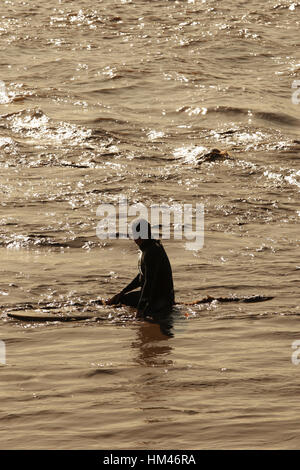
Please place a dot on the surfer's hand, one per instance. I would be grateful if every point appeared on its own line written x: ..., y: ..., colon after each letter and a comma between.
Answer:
x: 139, y: 314
x: 114, y: 300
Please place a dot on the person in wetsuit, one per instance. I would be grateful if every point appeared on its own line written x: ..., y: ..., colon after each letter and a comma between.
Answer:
x: 155, y: 294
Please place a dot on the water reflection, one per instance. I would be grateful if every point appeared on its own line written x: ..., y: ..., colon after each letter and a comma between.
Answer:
x: 153, y: 343
x: 165, y: 323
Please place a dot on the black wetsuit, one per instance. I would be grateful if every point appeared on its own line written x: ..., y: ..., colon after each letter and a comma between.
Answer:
x: 156, y: 296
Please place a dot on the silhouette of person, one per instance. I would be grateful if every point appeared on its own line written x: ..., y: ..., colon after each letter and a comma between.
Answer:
x: 155, y: 294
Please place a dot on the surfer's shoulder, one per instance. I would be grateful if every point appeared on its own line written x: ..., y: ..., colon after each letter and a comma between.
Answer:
x: 154, y: 249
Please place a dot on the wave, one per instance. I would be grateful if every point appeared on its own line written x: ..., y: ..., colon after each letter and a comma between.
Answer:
x: 17, y: 242
x: 267, y: 116
x: 199, y: 154
x: 35, y: 124
x: 277, y: 118
x: 196, y: 155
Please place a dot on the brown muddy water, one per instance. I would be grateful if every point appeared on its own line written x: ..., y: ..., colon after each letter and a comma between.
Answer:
x: 127, y: 97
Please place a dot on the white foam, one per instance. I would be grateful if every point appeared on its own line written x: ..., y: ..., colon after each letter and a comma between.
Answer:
x: 152, y: 135
x: 38, y: 126
x: 4, y: 99
x: 190, y: 153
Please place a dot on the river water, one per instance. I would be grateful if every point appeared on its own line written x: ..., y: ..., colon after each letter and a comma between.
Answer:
x: 120, y: 97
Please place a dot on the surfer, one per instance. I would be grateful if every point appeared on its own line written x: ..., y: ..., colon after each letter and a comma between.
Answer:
x: 155, y: 294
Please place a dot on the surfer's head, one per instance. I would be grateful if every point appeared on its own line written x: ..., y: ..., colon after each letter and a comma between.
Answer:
x: 141, y: 231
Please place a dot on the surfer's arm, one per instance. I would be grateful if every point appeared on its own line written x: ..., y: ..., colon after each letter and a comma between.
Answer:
x: 134, y: 284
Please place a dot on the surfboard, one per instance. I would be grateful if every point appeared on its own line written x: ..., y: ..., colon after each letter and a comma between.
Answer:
x: 246, y: 299
x: 37, y: 316
x: 208, y: 299
x: 44, y: 317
